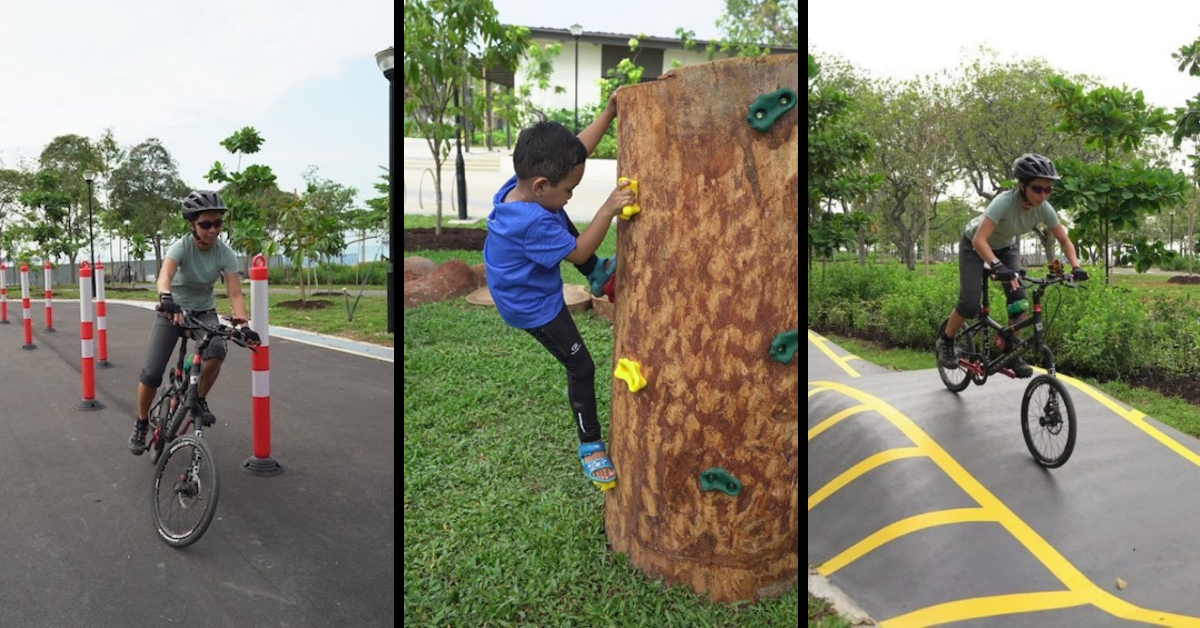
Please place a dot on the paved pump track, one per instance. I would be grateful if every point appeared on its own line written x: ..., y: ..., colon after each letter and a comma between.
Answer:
x: 926, y: 508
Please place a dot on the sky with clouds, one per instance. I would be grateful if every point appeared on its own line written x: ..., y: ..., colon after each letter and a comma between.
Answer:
x: 1130, y: 44
x: 302, y: 72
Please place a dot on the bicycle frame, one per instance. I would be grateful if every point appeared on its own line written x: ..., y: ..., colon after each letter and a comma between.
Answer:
x: 1034, y: 320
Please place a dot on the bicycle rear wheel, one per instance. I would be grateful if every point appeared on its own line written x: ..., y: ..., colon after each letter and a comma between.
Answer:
x: 183, y: 497
x: 1048, y: 421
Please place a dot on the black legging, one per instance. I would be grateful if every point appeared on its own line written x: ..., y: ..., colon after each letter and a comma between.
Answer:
x: 562, y: 339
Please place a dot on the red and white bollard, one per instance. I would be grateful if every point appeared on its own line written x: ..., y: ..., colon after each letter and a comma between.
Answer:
x: 101, y: 318
x: 85, y: 340
x: 26, y: 310
x: 48, y: 279
x: 261, y: 463
x: 3, y: 294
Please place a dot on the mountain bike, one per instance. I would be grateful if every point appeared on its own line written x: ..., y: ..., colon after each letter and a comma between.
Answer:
x: 1047, y: 412
x: 183, y: 496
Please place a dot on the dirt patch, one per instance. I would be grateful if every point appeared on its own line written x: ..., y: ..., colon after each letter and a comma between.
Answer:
x: 1185, y: 279
x: 311, y: 304
x: 452, y: 239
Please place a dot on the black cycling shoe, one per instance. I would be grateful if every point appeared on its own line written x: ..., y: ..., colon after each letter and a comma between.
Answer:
x: 945, y: 353
x: 1021, y: 369
x: 137, y: 441
x: 206, y: 415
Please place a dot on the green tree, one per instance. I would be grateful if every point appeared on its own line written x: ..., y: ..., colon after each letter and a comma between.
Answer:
x: 445, y: 43
x: 1187, y: 127
x: 750, y: 27
x: 144, y: 188
x: 1109, y: 197
x: 68, y: 157
x: 837, y: 154
x: 250, y: 194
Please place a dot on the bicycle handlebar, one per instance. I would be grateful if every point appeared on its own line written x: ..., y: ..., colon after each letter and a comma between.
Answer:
x: 233, y: 334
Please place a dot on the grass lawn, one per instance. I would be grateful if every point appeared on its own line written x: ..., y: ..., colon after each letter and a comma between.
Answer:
x: 500, y: 526
x: 369, y: 324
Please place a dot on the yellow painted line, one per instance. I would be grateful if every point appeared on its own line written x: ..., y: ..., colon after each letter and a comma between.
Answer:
x: 835, y: 419
x: 851, y: 356
x: 1134, y: 416
x: 819, y: 342
x: 853, y: 473
x: 994, y: 606
x: 818, y: 389
x: 891, y: 532
x: 998, y: 511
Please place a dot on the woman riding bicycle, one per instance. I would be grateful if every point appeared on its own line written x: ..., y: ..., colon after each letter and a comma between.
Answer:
x: 185, y: 282
x: 995, y: 237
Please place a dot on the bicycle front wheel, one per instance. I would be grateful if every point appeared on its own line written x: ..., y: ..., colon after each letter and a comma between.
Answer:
x: 1048, y: 421
x: 183, y: 498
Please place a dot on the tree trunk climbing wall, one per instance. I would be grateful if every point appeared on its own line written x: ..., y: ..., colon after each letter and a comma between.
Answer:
x: 707, y: 453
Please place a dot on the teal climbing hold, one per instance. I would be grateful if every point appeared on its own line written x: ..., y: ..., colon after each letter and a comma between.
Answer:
x: 718, y: 479
x: 767, y: 108
x: 785, y: 345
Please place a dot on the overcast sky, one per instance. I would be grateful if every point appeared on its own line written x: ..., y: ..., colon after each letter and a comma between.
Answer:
x: 618, y: 16
x: 302, y: 72
x: 1129, y: 44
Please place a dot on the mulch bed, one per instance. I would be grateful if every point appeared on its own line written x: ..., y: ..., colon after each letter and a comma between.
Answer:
x: 452, y: 239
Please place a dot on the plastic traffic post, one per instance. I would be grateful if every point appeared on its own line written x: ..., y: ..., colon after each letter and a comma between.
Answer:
x: 86, y: 344
x: 26, y: 311
x: 4, y: 294
x: 101, y: 319
x: 48, y: 278
x: 260, y: 463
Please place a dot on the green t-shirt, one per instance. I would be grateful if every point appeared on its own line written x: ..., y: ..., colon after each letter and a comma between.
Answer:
x: 1012, y: 222
x: 192, y: 285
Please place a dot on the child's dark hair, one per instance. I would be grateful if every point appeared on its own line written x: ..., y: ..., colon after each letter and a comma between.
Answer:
x: 547, y: 149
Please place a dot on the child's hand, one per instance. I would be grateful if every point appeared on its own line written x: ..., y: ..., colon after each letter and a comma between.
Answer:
x: 620, y: 197
x: 612, y: 101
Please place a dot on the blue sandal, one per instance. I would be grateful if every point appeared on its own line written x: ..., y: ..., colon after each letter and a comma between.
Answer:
x: 590, y: 467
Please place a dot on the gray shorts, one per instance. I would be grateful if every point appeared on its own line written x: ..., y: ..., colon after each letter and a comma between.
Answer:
x: 164, y: 340
x: 970, y: 277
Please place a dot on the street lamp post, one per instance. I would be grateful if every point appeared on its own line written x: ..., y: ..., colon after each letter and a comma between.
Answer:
x: 90, y: 177
x: 387, y: 63
x: 576, y: 31
x: 1172, y: 246
x: 128, y: 254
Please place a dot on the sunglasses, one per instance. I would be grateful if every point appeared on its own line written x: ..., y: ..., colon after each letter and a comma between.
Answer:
x: 1042, y: 190
x: 210, y: 224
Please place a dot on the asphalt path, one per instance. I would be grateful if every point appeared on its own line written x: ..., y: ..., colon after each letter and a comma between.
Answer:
x: 314, y: 546
x: 926, y: 508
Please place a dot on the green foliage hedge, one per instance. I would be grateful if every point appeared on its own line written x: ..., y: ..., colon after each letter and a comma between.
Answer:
x: 1097, y: 330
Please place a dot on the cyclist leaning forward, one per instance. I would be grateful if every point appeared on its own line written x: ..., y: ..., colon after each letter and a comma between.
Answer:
x: 185, y: 282
x: 994, y: 237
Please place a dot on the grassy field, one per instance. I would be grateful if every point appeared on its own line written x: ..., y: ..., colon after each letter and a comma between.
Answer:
x: 500, y: 526
x: 369, y: 324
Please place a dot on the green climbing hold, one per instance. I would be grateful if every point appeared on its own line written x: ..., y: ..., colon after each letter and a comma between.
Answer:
x: 785, y: 346
x: 718, y: 479
x: 767, y: 108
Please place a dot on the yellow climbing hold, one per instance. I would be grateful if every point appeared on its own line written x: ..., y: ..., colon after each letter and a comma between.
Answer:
x: 628, y: 211
x: 631, y: 373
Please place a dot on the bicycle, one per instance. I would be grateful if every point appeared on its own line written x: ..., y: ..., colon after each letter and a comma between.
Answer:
x: 1047, y: 412
x: 189, y: 490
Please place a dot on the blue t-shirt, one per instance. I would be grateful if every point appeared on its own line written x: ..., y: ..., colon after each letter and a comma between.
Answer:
x: 524, y: 246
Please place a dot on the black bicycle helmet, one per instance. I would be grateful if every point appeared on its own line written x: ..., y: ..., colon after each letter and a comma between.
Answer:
x: 200, y: 201
x: 1028, y: 167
